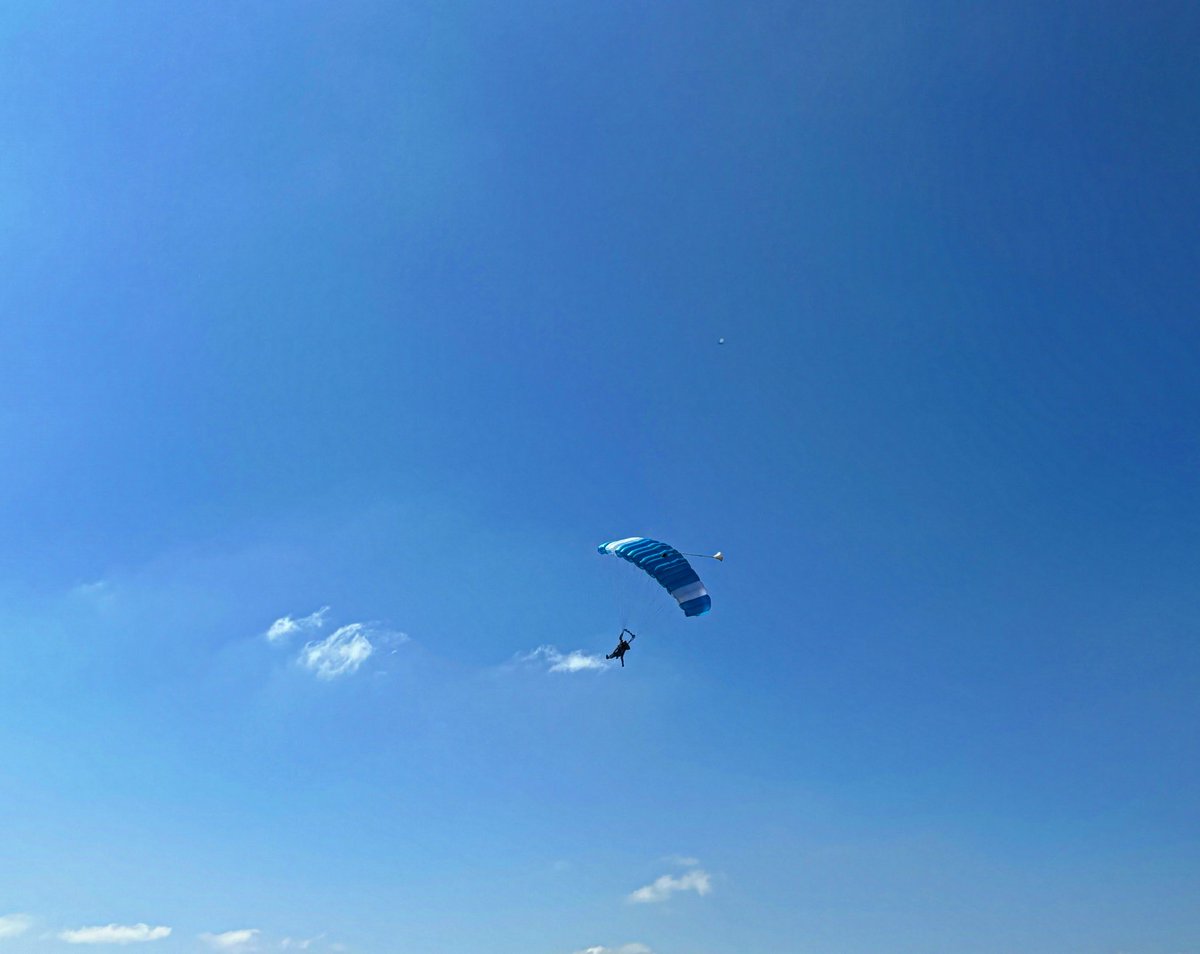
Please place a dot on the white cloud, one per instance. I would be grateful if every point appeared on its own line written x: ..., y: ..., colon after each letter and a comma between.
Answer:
x: 683, y: 861
x: 662, y: 888
x: 286, y: 627
x: 339, y: 654
x: 115, y: 934
x: 574, y: 661
x: 13, y: 924
x: 291, y: 943
x: 232, y: 940
x: 632, y: 948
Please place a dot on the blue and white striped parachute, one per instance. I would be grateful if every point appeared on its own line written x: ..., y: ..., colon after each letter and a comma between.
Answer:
x: 669, y: 567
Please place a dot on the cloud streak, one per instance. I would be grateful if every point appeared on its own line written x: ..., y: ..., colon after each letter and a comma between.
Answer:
x: 115, y: 934
x: 574, y: 661
x: 662, y: 888
x: 289, y: 943
x: 13, y: 925
x: 341, y: 653
x: 286, y: 627
x: 631, y: 948
x: 231, y: 940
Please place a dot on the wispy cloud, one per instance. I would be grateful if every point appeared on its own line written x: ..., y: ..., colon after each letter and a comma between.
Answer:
x: 683, y: 861
x: 662, y: 888
x: 232, y: 940
x: 631, y: 948
x: 574, y: 661
x: 98, y: 595
x: 338, y: 654
x: 95, y: 589
x: 285, y: 627
x: 115, y: 934
x: 291, y: 943
x: 12, y: 925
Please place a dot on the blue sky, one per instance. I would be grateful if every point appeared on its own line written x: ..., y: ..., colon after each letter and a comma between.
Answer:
x: 368, y: 322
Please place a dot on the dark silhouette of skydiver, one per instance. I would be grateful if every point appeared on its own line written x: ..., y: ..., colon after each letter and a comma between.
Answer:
x: 622, y: 647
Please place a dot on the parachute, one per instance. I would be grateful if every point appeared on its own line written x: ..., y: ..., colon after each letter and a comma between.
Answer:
x: 669, y: 568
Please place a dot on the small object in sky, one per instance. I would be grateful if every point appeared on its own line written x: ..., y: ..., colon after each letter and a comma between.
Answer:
x: 720, y: 341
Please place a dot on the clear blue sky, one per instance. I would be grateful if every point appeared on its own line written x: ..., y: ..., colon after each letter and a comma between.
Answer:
x: 400, y: 309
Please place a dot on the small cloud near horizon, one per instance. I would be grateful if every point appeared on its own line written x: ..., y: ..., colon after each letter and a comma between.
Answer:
x: 290, y: 943
x: 632, y: 948
x: 114, y: 934
x: 242, y: 940
x: 12, y: 925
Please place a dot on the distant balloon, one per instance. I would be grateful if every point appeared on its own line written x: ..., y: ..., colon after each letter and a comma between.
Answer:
x: 720, y: 341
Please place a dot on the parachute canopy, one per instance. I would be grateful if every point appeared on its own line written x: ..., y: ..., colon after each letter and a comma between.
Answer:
x: 668, y: 566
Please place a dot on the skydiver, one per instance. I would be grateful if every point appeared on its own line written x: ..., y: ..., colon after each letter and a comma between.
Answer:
x: 622, y: 647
